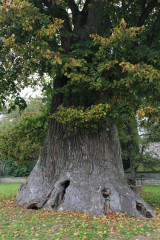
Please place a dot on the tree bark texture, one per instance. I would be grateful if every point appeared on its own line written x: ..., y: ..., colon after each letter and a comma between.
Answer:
x: 80, y: 171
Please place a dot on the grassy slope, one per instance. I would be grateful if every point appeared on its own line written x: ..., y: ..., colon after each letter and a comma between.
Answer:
x: 18, y: 223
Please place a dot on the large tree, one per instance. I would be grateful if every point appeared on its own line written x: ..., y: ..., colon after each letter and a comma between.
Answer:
x: 103, y: 68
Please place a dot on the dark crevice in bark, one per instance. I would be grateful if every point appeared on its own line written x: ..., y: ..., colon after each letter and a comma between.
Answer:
x: 61, y: 195
x: 106, y: 194
x: 33, y: 206
x: 142, y: 210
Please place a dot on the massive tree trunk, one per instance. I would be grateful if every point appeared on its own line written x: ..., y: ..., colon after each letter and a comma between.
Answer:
x: 81, y: 171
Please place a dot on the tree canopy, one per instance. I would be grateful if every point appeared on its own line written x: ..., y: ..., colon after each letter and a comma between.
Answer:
x: 101, y: 72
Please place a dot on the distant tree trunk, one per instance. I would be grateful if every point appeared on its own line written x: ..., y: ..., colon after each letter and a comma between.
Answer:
x: 3, y: 169
x: 83, y: 172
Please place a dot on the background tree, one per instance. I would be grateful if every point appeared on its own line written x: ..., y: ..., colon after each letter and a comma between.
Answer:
x: 150, y: 140
x: 140, y: 146
x: 22, y: 134
x: 102, y: 70
x: 130, y: 144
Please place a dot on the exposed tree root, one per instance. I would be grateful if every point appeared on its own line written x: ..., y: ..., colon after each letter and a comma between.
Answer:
x: 92, y: 199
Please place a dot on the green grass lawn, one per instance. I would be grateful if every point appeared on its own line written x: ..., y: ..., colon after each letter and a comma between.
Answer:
x: 8, y: 189
x: 152, y: 195
x: 18, y: 223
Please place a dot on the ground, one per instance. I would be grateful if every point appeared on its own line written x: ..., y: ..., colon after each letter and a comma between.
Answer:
x: 22, y: 224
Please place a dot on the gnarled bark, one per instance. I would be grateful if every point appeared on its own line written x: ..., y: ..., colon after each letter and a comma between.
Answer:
x: 83, y: 172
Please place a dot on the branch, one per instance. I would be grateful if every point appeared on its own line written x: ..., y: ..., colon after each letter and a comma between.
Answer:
x: 85, y: 8
x: 144, y: 4
x: 57, y: 11
x: 124, y: 5
x: 84, y: 12
x: 36, y: 128
x: 146, y: 11
x: 74, y: 8
x: 79, y: 16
